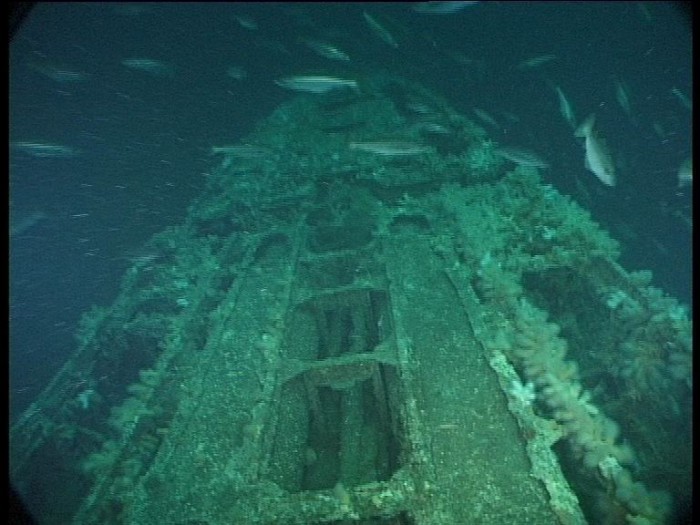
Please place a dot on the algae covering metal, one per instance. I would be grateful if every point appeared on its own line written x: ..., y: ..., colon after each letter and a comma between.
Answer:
x: 345, y: 335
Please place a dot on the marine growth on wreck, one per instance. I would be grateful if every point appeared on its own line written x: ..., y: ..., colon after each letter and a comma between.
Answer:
x: 355, y: 325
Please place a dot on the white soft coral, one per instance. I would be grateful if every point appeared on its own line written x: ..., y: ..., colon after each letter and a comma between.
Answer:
x: 522, y: 393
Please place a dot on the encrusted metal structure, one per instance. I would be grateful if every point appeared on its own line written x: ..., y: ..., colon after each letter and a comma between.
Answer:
x: 374, y: 335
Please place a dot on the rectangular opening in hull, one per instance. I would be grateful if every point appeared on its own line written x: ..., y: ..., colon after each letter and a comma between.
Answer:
x: 337, y: 421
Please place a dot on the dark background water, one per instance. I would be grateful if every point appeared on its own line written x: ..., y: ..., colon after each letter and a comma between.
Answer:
x: 145, y: 140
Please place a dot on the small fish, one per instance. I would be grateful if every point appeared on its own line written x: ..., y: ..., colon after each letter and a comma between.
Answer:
x: 685, y: 173
x: 236, y: 72
x: 421, y: 108
x: 391, y: 148
x: 42, y: 150
x: 534, y: 62
x: 316, y: 83
x: 521, y: 156
x: 58, y: 74
x: 487, y: 118
x: 327, y: 50
x: 623, y: 97
x: 433, y: 128
x: 20, y: 224
x: 246, y: 22
x: 380, y: 30
x: 440, y: 8
x: 242, y: 151
x: 598, y: 159
x: 565, y: 107
x: 682, y: 98
x: 154, y: 68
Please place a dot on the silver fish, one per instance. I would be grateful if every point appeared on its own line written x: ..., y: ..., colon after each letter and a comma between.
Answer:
x: 623, y: 97
x: 391, y: 148
x: 316, y: 83
x: 534, y: 62
x: 598, y: 159
x: 440, y: 8
x: 685, y: 173
x: 682, y: 98
x: 42, y: 150
x: 327, y: 50
x: 434, y: 128
x: 421, y: 108
x: 242, y: 151
x: 486, y: 118
x: 565, y: 107
x: 154, y: 68
x: 59, y: 74
x: 246, y: 21
x: 380, y: 30
x: 521, y: 156
x: 19, y: 224
x: 236, y: 72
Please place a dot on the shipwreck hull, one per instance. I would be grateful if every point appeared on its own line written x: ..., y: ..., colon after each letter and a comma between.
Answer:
x: 336, y: 336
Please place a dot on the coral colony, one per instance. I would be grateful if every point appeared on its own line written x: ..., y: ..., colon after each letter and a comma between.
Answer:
x: 533, y: 344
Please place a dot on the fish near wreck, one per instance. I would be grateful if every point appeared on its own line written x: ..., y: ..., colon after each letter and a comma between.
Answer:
x: 327, y: 50
x: 685, y: 173
x: 155, y: 68
x: 565, y: 107
x: 598, y: 159
x: 391, y: 148
x: 44, y: 150
x: 380, y: 30
x: 440, y: 8
x: 316, y: 83
x: 521, y: 156
x: 535, y: 62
